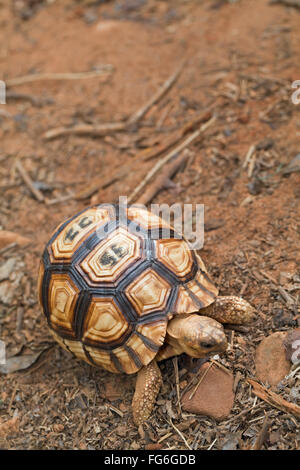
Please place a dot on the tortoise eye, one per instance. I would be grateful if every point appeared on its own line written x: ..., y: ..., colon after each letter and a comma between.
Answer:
x: 206, y: 345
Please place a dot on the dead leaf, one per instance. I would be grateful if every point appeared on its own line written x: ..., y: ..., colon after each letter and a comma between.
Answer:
x: 274, y: 399
x: 7, y: 238
x: 169, y: 409
x: 9, y: 427
x: 293, y: 166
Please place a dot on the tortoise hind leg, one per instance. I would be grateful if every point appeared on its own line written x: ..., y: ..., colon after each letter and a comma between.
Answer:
x: 148, y: 383
x: 230, y: 309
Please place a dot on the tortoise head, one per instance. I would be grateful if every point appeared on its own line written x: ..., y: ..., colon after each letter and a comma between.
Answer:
x: 196, y: 335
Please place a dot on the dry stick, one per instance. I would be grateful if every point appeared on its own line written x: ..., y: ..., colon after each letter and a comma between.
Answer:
x: 163, y: 181
x: 149, y: 154
x: 273, y: 399
x: 175, y: 364
x: 56, y: 76
x: 140, y: 113
x: 168, y: 157
x: 11, y: 95
x: 250, y: 152
x: 289, y: 3
x: 180, y: 434
x: 29, y: 183
x: 239, y: 415
x: 111, y: 127
x: 102, y: 183
x: 200, y: 381
x: 12, y: 398
x: 100, y: 130
x: 8, y: 247
x: 223, y: 368
x: 57, y: 200
x: 263, y: 434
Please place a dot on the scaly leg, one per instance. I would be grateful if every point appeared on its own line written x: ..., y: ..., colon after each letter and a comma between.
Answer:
x: 230, y: 309
x: 148, y: 383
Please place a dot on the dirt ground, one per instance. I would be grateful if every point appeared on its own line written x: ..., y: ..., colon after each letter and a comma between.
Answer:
x: 241, y: 58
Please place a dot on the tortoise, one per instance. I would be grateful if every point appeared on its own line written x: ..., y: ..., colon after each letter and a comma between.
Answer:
x: 120, y: 295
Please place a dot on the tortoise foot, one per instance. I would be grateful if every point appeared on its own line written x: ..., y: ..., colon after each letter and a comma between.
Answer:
x: 231, y: 309
x: 148, y: 383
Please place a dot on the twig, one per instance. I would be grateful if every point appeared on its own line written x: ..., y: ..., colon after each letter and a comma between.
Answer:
x: 251, y: 165
x: 116, y: 410
x: 212, y: 444
x: 239, y: 415
x: 86, y: 129
x: 273, y: 399
x: 263, y: 434
x: 164, y: 115
x: 57, y: 200
x: 163, y: 181
x: 164, y: 437
x: 175, y: 364
x: 149, y: 154
x: 268, y: 276
x: 109, y: 128
x: 180, y: 434
x: 13, y: 395
x: 249, y: 155
x: 57, y: 76
x: 289, y: 3
x: 102, y: 183
x: 20, y: 317
x: 11, y: 95
x: 200, y: 380
x: 168, y: 157
x: 140, y: 113
x: 8, y: 247
x: 286, y: 297
x: 223, y: 368
x: 29, y: 183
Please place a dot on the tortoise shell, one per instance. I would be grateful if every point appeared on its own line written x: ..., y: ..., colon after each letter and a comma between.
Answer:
x: 108, y: 284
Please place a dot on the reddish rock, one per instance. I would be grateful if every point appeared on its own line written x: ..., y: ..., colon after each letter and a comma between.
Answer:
x: 270, y: 361
x: 214, y: 396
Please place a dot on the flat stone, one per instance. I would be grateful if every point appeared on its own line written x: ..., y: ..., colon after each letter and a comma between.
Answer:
x: 7, y: 268
x: 214, y: 396
x: 270, y: 360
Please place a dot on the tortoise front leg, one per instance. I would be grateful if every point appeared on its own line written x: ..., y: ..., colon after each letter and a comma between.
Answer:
x: 148, y: 383
x: 230, y: 309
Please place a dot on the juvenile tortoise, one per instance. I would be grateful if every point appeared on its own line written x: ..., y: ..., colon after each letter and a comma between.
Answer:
x: 120, y: 296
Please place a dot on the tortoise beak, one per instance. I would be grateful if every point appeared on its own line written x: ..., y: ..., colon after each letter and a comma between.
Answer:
x: 218, y: 346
